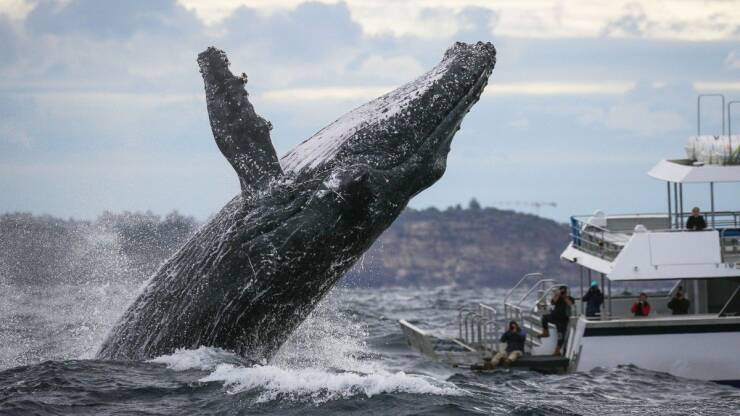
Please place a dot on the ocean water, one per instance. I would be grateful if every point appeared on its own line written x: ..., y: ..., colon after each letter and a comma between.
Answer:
x: 349, y: 357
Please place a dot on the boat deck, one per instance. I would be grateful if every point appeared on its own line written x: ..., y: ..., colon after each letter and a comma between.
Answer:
x: 455, y: 352
x: 540, y: 363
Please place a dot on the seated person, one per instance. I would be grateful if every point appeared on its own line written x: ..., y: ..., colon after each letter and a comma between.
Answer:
x: 593, y: 298
x: 641, y: 307
x: 679, y: 305
x: 696, y: 221
x: 514, y: 338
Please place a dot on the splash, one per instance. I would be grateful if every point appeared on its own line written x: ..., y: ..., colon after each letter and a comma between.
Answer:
x: 320, y: 385
x: 203, y: 358
x: 65, y: 283
x: 327, y: 358
x: 328, y: 338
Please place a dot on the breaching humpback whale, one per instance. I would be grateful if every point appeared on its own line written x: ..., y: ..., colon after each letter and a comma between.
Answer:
x: 251, y: 275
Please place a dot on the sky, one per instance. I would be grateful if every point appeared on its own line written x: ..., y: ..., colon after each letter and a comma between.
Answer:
x: 102, y: 105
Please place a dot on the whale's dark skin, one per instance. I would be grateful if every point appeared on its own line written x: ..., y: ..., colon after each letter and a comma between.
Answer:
x: 251, y: 275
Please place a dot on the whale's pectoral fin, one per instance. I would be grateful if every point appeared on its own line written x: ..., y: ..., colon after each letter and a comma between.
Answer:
x: 241, y: 134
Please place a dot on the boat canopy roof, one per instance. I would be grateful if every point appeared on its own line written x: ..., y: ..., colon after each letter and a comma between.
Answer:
x: 684, y: 171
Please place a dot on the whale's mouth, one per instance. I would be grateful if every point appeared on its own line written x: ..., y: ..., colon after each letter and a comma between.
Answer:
x: 402, y: 121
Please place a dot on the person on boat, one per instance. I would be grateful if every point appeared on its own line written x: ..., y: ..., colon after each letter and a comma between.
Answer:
x: 641, y: 307
x: 559, y: 316
x: 696, y: 221
x: 514, y: 338
x: 593, y: 298
x: 679, y: 305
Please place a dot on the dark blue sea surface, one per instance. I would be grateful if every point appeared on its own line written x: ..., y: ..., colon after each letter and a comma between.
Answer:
x: 349, y: 357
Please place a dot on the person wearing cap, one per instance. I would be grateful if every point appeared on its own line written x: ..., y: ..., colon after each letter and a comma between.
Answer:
x: 514, y: 338
x: 593, y: 298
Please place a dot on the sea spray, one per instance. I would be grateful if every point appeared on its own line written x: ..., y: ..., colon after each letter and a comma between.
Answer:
x: 320, y: 385
x: 327, y: 358
x: 65, y: 283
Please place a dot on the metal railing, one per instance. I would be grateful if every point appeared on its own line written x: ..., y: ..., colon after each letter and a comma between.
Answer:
x: 513, y: 310
x: 478, y: 326
x: 607, y: 243
x: 593, y: 239
x: 729, y: 239
x: 525, y: 278
x: 528, y: 308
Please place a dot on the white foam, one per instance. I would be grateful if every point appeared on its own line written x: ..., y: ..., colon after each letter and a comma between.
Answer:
x: 320, y: 385
x: 328, y: 338
x: 204, y: 358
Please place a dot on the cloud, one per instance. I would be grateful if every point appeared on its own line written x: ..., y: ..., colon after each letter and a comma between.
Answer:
x: 393, y: 68
x: 14, y: 113
x: 520, y: 123
x: 360, y: 93
x: 15, y: 9
x: 12, y: 134
x: 559, y: 88
x: 8, y: 46
x: 716, y: 86
x: 77, y: 82
x: 643, y: 120
x: 325, y: 94
x: 311, y: 31
x: 108, y: 19
x: 634, y: 22
x: 681, y: 20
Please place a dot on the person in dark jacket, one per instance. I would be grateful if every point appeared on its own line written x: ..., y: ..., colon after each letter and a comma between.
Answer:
x: 679, y: 305
x: 641, y: 307
x: 696, y: 221
x: 593, y: 298
x: 560, y: 315
x: 514, y: 338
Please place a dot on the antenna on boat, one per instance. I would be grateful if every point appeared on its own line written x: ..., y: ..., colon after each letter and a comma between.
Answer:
x: 698, y: 112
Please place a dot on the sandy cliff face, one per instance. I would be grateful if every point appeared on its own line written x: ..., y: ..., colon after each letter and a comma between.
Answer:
x: 465, y: 247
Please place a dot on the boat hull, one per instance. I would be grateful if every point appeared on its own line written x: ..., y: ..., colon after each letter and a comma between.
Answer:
x: 698, y: 347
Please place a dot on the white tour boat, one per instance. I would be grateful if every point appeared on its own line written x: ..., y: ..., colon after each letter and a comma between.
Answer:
x: 641, y: 250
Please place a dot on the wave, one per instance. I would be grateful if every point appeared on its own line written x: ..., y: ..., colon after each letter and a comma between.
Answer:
x: 271, y: 382
x: 321, y: 385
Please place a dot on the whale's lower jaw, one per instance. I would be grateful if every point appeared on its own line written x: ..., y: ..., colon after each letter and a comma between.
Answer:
x: 250, y: 276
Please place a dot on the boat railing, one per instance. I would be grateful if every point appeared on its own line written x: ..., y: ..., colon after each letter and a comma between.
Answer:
x: 529, y: 308
x: 606, y: 243
x: 730, y: 244
x: 513, y: 309
x: 593, y: 239
x: 478, y: 325
x: 526, y: 278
